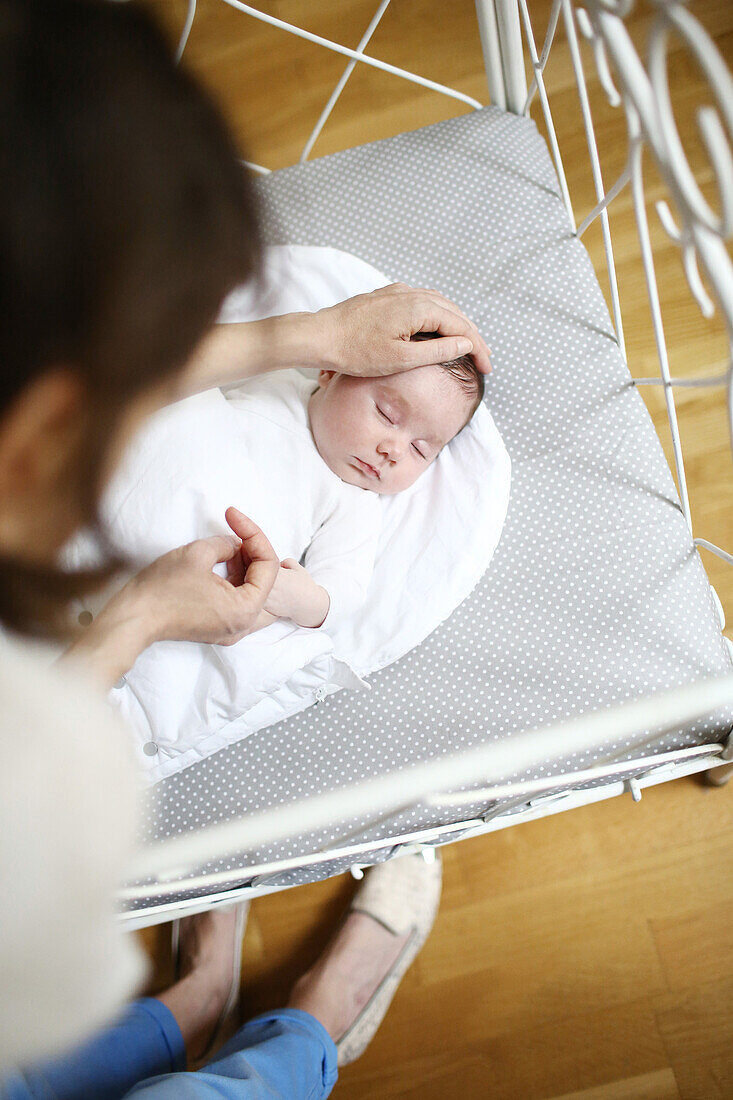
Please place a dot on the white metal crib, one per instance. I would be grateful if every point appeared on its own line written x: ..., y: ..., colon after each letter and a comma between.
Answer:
x: 170, y: 877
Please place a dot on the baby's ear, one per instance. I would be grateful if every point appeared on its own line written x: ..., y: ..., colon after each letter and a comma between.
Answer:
x: 324, y: 378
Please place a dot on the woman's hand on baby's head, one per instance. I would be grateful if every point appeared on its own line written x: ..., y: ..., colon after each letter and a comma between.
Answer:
x: 371, y: 334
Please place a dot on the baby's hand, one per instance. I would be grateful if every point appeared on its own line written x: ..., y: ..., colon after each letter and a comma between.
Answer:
x: 295, y: 595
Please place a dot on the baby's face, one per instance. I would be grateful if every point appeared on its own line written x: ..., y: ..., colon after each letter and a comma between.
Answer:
x: 382, y: 433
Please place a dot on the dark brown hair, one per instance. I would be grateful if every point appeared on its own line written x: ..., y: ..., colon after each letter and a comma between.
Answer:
x: 465, y: 372
x: 125, y: 219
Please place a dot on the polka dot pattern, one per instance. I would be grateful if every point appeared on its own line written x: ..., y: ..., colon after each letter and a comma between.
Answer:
x: 595, y: 594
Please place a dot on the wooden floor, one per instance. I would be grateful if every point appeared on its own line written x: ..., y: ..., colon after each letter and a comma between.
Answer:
x: 589, y: 954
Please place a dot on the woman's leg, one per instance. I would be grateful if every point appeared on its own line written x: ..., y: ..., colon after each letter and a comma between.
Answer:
x: 144, y: 1042
x: 153, y: 1035
x: 206, y: 943
x: 282, y: 1055
x: 291, y: 1054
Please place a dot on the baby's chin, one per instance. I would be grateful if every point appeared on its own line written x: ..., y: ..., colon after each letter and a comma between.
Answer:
x: 352, y: 477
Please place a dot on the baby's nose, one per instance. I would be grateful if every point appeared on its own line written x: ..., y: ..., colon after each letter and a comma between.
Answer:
x: 391, y: 449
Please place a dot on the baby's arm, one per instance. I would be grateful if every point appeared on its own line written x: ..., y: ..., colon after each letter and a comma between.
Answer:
x: 340, y: 559
x: 338, y: 566
x: 295, y: 595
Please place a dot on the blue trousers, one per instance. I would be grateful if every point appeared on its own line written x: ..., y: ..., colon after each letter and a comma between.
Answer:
x: 286, y: 1054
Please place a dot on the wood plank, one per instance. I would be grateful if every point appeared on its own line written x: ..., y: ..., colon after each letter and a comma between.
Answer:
x: 659, y: 1085
x: 532, y: 1062
x: 696, y: 1025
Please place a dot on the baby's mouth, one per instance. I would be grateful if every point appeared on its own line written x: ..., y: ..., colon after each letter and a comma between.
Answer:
x: 367, y: 468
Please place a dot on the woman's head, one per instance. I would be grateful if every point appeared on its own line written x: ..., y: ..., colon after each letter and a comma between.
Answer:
x: 125, y: 219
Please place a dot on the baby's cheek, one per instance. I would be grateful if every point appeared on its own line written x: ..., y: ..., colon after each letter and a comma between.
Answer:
x: 417, y: 474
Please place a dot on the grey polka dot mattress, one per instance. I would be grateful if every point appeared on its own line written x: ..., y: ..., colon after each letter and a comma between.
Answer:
x: 595, y: 594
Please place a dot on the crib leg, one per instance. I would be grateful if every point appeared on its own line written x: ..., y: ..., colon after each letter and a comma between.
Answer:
x: 718, y: 777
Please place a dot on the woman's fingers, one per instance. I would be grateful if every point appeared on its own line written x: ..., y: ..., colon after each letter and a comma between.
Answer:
x: 224, y: 614
x: 371, y: 334
x: 218, y: 548
x: 425, y: 353
x: 435, y: 313
x: 235, y: 570
x: 259, y: 560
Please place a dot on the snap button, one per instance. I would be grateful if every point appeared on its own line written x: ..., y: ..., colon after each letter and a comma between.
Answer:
x: 150, y: 748
x: 120, y: 683
x: 85, y: 618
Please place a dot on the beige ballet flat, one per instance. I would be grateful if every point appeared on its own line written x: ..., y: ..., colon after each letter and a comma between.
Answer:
x: 233, y: 996
x: 402, y: 894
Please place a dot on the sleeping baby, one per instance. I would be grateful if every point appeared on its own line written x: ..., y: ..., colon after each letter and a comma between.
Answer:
x: 339, y: 447
x: 307, y: 462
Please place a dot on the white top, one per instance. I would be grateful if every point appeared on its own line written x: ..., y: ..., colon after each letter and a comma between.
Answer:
x: 66, y: 836
x: 305, y: 509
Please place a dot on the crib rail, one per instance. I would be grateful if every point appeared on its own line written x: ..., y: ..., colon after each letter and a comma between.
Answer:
x: 699, y: 233
x: 169, y: 861
x: 642, y: 773
x: 651, y: 124
x: 355, y: 55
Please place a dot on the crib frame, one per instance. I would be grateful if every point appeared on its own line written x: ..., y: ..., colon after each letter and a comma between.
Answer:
x: 700, y: 235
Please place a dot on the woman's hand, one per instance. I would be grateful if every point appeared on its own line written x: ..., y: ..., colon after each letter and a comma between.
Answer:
x: 186, y: 601
x: 178, y: 597
x: 370, y: 334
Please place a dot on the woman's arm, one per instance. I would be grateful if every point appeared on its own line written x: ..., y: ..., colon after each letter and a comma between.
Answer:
x: 178, y: 597
x: 368, y: 334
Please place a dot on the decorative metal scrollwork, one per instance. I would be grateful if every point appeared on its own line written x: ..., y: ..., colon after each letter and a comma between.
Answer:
x: 699, y: 232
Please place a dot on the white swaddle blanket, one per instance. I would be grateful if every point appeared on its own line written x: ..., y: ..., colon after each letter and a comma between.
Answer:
x: 185, y: 700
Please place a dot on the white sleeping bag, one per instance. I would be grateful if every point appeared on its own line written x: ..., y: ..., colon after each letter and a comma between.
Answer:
x: 185, y: 700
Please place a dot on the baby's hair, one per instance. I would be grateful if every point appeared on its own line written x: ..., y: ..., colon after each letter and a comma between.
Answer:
x: 464, y: 370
